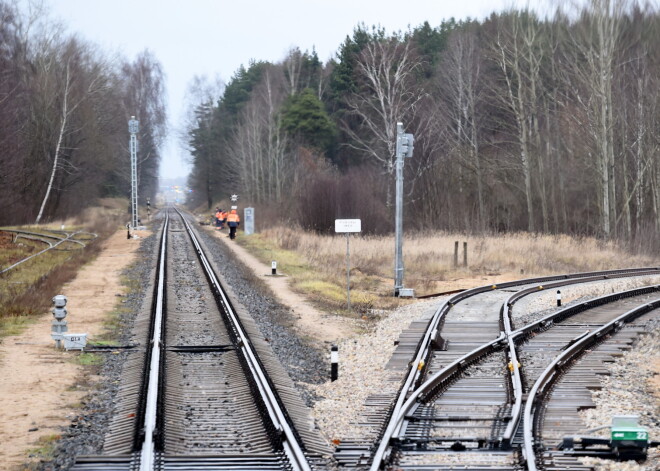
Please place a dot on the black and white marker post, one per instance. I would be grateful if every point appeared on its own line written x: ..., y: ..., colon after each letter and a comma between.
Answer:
x: 334, y: 363
x: 558, y: 298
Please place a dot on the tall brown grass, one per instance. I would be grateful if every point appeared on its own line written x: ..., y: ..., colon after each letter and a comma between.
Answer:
x: 429, y: 256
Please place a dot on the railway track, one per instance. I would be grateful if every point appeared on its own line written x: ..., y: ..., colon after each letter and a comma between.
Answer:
x: 54, y: 239
x: 203, y: 390
x: 464, y: 391
x: 562, y: 389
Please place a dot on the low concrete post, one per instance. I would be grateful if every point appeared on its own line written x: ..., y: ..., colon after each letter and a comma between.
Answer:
x: 273, y: 268
x: 558, y: 298
x: 334, y: 363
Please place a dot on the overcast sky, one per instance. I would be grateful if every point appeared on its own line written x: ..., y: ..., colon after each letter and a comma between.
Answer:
x: 214, y: 37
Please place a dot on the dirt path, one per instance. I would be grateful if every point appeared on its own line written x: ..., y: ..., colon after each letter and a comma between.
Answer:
x: 40, y: 386
x: 308, y: 321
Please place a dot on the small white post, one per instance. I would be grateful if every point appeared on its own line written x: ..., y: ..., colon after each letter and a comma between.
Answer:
x: 348, y: 272
x: 334, y: 363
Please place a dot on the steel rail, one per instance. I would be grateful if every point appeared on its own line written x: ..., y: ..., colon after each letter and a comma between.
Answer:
x: 515, y: 378
x: 147, y: 451
x: 561, y: 363
x: 38, y: 234
x: 60, y: 240
x: 424, y: 347
x: 290, y: 442
x: 43, y: 240
x: 50, y: 235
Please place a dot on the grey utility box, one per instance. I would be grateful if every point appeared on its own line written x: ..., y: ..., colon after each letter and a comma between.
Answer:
x: 248, y: 216
x: 74, y: 341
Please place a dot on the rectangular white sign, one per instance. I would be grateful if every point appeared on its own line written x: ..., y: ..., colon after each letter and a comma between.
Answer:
x: 348, y: 225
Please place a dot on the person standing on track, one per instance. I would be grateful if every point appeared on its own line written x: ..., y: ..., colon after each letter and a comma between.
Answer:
x: 233, y: 220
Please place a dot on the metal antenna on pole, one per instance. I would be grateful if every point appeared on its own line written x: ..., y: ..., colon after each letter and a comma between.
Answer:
x: 133, y: 129
x: 404, y: 148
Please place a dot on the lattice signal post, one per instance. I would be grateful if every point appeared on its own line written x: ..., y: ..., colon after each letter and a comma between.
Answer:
x: 133, y: 130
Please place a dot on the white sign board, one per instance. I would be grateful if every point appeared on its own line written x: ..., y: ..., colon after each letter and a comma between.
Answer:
x: 248, y: 217
x: 348, y: 225
x: 74, y: 341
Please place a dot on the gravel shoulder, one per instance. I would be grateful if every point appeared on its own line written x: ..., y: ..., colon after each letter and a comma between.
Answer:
x: 43, y: 388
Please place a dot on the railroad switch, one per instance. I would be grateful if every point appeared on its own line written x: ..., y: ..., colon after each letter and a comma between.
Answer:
x: 627, y: 441
x: 438, y: 342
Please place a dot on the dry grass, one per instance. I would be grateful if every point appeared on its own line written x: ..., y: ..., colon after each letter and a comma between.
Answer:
x: 317, y: 263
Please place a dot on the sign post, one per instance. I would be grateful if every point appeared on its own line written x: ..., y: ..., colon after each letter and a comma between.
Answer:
x: 347, y: 226
x: 248, y: 215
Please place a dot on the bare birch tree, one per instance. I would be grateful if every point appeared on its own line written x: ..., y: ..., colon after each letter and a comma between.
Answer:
x: 518, y: 54
x: 461, y: 80
x: 595, y: 42
x: 69, y: 89
x: 261, y: 146
x: 389, y: 94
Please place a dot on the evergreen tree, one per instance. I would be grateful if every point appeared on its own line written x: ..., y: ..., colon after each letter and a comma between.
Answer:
x: 304, y: 117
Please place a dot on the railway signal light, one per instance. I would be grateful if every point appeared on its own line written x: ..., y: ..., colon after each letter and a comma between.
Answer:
x: 404, y: 144
x: 59, y: 311
x: 404, y: 148
x: 59, y: 324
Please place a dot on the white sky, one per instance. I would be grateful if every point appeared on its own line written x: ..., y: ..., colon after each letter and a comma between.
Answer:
x: 214, y: 37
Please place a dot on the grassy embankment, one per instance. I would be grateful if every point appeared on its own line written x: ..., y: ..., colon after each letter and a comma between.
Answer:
x: 26, y: 291
x: 317, y: 263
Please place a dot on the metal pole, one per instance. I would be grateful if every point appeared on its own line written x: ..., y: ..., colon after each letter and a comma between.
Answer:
x: 398, y: 255
x: 133, y: 129
x: 348, y: 272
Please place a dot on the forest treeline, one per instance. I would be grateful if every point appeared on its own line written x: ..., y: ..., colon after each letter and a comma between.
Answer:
x: 542, y: 124
x: 64, y: 111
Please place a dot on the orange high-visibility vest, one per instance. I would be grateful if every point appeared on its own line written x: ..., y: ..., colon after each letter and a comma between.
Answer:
x: 233, y: 217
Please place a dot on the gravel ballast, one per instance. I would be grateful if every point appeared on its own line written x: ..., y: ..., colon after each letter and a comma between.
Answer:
x: 337, y: 406
x: 86, y: 433
x: 631, y: 390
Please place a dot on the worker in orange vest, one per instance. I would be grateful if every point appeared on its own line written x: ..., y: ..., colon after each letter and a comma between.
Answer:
x: 217, y: 216
x: 233, y: 220
x: 223, y: 218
